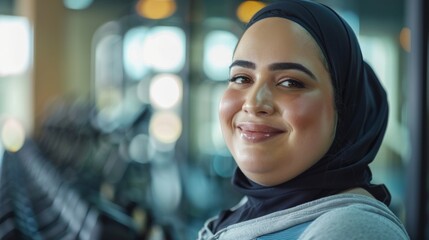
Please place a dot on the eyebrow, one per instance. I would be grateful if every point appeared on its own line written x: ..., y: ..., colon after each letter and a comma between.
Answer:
x: 243, y: 63
x: 276, y: 67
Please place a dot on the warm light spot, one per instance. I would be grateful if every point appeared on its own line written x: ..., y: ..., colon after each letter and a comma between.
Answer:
x: 12, y: 135
x: 405, y: 39
x: 247, y: 9
x: 165, y: 127
x: 156, y: 9
x: 165, y: 91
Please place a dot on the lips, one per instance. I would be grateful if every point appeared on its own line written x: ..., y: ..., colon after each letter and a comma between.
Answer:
x: 254, y: 133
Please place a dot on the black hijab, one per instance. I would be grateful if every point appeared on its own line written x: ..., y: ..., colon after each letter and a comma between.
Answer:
x: 362, y: 109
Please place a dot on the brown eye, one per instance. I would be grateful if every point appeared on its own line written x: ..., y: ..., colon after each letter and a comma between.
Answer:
x: 290, y: 83
x: 240, y: 80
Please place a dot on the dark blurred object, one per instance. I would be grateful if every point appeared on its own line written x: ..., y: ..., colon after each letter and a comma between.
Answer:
x: 76, y: 182
x: 37, y: 204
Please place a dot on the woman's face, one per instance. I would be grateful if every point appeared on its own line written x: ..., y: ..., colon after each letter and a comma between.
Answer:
x: 277, y: 114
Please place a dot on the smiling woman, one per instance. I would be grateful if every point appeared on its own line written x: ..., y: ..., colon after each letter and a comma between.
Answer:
x: 286, y: 116
x: 279, y: 101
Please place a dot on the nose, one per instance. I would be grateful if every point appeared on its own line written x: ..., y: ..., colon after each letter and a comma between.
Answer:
x: 259, y: 101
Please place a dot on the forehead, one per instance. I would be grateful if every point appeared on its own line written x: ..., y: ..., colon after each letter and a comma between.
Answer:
x: 277, y: 38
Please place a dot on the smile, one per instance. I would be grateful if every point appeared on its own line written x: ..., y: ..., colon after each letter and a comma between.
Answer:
x: 255, y: 133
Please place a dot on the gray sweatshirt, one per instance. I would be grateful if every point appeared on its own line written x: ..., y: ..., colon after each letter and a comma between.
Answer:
x: 343, y: 216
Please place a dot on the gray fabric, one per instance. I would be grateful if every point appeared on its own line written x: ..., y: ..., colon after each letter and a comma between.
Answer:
x: 342, y: 216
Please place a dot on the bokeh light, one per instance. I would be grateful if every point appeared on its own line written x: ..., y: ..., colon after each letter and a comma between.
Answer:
x: 12, y: 135
x: 77, y: 4
x: 218, y: 49
x: 164, y: 49
x: 15, y: 45
x: 247, y: 9
x: 405, y: 39
x: 156, y: 9
x: 134, y: 61
x: 165, y: 127
x: 165, y: 91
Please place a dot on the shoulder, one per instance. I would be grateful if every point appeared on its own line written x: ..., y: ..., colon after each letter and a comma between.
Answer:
x: 356, y: 221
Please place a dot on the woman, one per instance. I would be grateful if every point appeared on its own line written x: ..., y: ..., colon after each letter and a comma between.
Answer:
x: 303, y: 116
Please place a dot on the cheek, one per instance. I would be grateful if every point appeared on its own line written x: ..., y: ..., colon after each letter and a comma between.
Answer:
x: 311, y: 112
x: 228, y: 107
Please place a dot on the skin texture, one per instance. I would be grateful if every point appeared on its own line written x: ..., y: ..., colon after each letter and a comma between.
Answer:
x: 277, y: 119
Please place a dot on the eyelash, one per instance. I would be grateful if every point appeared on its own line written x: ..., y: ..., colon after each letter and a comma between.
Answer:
x: 234, y: 79
x: 295, y: 83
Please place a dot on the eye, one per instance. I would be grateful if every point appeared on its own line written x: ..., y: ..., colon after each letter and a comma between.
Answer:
x: 240, y: 80
x: 290, y: 83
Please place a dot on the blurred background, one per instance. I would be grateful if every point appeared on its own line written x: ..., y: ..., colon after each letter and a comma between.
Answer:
x: 108, y: 113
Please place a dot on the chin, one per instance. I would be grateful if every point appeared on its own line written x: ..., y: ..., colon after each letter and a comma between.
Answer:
x: 264, y: 179
x: 255, y: 168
